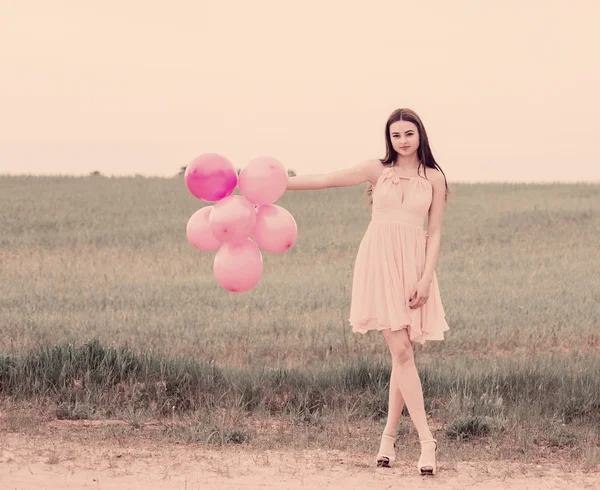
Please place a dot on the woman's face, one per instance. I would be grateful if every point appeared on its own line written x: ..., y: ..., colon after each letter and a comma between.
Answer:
x: 404, y: 136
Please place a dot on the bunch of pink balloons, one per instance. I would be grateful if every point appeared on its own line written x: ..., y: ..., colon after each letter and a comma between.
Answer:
x: 232, y: 220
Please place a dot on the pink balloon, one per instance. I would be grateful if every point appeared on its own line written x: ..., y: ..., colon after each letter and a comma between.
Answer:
x: 239, y: 266
x: 276, y: 230
x: 211, y: 177
x: 232, y: 219
x: 199, y: 232
x: 263, y: 181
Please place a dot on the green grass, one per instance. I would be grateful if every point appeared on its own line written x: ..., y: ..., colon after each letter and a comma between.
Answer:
x: 85, y: 258
x: 107, y: 311
x: 114, y: 380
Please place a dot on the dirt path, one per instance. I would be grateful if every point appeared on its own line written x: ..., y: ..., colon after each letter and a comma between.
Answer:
x: 43, y: 462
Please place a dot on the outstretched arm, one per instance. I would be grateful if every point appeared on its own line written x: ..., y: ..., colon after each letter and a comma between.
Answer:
x: 358, y: 174
x: 307, y: 182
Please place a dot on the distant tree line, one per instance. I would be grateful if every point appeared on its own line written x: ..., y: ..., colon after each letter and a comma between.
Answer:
x: 290, y: 172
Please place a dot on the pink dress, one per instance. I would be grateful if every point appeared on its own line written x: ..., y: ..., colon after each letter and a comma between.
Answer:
x: 391, y: 260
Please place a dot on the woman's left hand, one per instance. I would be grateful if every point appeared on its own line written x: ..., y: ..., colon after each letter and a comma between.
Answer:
x: 420, y: 294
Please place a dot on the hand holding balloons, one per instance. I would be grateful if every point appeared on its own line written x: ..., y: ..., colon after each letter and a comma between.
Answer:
x: 228, y: 225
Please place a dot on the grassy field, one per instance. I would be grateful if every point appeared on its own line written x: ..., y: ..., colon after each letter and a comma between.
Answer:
x: 107, y: 311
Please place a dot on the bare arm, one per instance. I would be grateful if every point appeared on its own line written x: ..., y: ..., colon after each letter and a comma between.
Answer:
x: 434, y: 225
x: 358, y: 174
x: 306, y: 182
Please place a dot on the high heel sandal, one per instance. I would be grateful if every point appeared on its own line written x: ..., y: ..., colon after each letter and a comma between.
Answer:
x: 425, y: 466
x: 386, y: 456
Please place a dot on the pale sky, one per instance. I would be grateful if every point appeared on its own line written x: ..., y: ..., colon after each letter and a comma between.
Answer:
x: 508, y: 90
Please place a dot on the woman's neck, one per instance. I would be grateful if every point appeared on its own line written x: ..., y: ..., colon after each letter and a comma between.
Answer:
x: 412, y: 164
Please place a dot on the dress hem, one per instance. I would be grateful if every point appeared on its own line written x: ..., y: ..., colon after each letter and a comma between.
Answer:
x: 439, y: 335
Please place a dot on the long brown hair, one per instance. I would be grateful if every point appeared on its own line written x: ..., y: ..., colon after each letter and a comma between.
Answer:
x: 423, y: 152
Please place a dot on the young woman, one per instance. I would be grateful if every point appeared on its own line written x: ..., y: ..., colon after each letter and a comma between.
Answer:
x: 394, y: 287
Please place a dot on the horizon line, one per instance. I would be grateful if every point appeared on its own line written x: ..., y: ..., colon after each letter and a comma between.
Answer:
x: 178, y: 175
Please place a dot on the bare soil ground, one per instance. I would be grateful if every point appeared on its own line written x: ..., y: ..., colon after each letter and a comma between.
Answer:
x: 58, y: 456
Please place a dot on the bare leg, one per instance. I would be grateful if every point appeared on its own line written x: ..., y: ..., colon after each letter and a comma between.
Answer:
x: 395, y: 405
x: 408, y: 381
